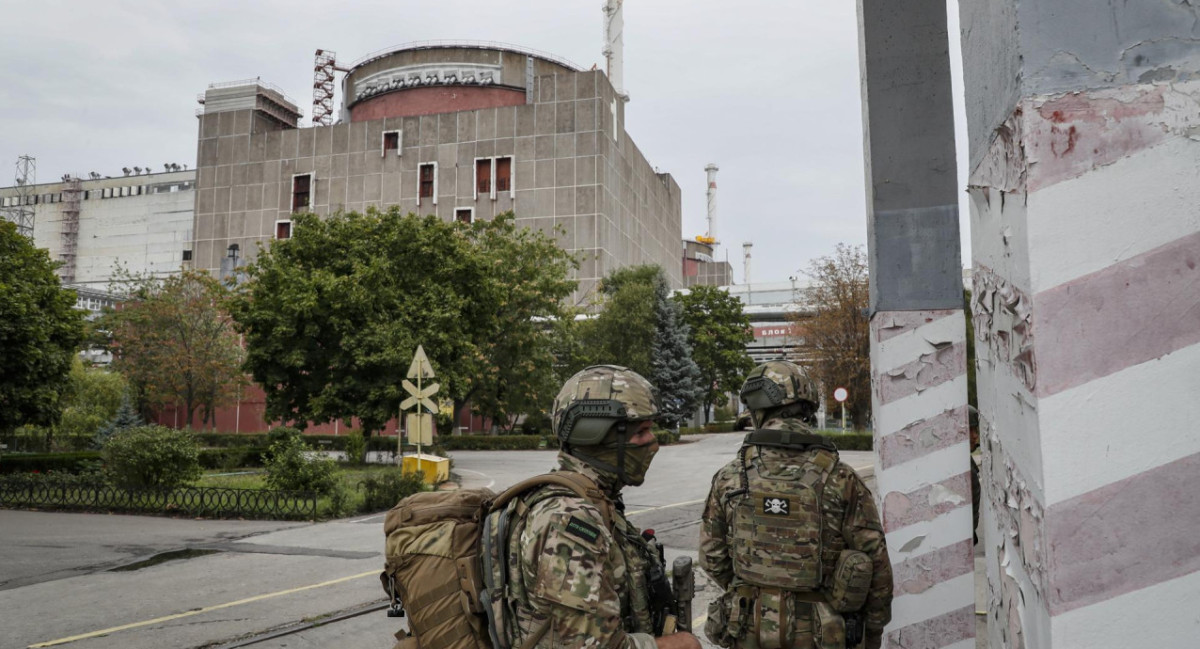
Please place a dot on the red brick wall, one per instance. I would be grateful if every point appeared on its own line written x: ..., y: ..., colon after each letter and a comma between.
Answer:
x: 439, y: 99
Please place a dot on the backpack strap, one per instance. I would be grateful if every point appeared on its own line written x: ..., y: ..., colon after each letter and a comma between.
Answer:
x: 578, y: 483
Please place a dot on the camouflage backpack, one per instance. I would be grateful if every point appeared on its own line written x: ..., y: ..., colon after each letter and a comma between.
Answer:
x: 777, y: 526
x: 446, y: 558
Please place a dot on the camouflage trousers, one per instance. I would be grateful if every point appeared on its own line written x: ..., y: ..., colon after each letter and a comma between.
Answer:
x: 750, y: 617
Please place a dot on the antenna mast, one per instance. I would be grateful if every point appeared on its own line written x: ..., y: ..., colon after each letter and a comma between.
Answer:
x: 614, y: 45
x: 23, y: 212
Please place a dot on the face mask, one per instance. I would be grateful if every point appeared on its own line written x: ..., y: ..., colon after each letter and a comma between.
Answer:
x: 637, y: 460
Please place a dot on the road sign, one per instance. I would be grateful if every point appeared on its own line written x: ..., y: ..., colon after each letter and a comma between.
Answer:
x: 840, y: 394
x: 419, y: 423
x: 426, y: 403
x: 420, y: 428
x: 420, y: 367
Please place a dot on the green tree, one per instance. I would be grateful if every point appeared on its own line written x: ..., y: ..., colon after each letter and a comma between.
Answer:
x: 673, y: 371
x: 333, y: 315
x: 837, y: 335
x: 174, y: 341
x: 40, y: 332
x: 623, y: 331
x: 719, y: 334
x: 125, y: 417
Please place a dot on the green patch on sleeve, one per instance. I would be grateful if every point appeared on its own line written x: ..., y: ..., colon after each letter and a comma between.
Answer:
x: 583, y: 530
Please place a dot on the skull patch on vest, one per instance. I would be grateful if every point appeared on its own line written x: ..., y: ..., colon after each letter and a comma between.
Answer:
x: 776, y: 506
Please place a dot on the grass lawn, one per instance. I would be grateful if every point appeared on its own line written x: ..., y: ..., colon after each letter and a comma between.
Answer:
x: 350, y: 478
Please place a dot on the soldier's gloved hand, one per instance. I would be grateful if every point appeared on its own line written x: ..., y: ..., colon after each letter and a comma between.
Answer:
x: 681, y: 640
x: 874, y: 639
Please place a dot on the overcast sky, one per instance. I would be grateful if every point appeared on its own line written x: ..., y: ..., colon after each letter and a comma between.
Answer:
x: 767, y: 90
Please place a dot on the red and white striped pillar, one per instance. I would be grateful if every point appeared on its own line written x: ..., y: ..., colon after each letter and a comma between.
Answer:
x: 918, y: 330
x: 1085, y: 193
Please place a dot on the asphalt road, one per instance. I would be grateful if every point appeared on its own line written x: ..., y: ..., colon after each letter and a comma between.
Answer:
x: 238, y: 581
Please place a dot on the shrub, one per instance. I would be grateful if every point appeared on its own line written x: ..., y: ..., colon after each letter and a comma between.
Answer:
x: 356, y: 447
x: 488, y: 442
x: 151, y: 456
x: 232, y: 458
x: 850, y: 441
x: 723, y: 414
x: 666, y: 437
x: 280, y: 432
x: 383, y: 490
x: 79, y: 462
x: 290, y: 468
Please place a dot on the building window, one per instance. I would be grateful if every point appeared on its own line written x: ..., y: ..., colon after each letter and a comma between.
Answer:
x: 187, y: 255
x: 504, y: 174
x: 428, y: 181
x: 483, y: 177
x: 464, y: 215
x: 283, y: 229
x: 391, y: 142
x: 301, y: 192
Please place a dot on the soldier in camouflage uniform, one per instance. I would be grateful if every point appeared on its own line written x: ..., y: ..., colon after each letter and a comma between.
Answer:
x: 792, y: 534
x: 577, y: 580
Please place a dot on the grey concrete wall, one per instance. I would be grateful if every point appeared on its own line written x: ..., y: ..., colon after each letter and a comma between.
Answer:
x: 1050, y: 46
x: 909, y: 150
x: 144, y: 226
x: 573, y: 176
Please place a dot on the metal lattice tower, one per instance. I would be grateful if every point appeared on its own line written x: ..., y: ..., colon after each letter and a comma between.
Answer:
x: 23, y: 212
x: 323, y: 68
x: 72, y: 192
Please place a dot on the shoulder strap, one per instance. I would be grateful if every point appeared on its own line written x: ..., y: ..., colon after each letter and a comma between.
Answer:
x: 578, y: 483
x: 787, y: 439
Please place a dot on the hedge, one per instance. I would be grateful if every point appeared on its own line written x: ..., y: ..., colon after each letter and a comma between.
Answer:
x: 76, y: 462
x: 491, y: 442
x: 232, y: 458
x: 850, y: 441
x: 715, y: 427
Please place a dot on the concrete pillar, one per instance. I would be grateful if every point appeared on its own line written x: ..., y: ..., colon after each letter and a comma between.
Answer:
x: 918, y: 331
x: 1084, y: 128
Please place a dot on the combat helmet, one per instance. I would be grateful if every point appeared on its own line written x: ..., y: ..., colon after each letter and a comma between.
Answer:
x: 596, y: 398
x: 774, y: 385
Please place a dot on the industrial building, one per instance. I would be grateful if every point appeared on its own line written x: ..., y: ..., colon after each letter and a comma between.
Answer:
x: 463, y: 130
x: 141, y: 221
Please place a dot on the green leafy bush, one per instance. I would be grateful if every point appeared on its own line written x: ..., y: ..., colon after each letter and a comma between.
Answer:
x: 232, y: 458
x: 666, y: 437
x: 291, y: 468
x: 851, y: 441
x: 382, y: 491
x: 151, y: 456
x: 488, y: 442
x: 715, y: 427
x: 77, y: 462
x: 280, y: 432
x: 723, y: 414
x: 356, y: 447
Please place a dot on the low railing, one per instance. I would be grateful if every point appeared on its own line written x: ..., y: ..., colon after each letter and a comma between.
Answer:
x: 36, y: 491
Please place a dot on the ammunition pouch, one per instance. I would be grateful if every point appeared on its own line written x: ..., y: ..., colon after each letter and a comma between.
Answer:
x: 829, y: 627
x: 851, y: 581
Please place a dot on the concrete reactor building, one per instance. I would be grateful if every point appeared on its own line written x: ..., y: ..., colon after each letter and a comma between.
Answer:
x: 463, y: 130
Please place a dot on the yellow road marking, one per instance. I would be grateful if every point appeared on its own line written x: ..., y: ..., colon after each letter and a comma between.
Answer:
x: 653, y: 509
x: 206, y: 609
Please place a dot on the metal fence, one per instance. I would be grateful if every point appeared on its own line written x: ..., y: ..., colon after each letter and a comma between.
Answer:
x: 39, y: 492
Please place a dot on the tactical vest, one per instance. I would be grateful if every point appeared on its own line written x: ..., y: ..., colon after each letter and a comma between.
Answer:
x: 776, y: 528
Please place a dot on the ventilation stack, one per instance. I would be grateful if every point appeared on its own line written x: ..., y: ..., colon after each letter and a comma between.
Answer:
x: 712, y: 204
